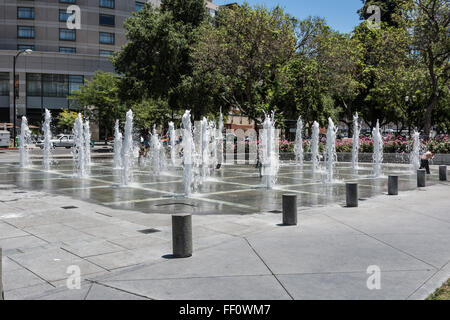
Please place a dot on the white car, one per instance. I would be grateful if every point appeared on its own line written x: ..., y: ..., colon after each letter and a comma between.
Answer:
x: 63, y: 141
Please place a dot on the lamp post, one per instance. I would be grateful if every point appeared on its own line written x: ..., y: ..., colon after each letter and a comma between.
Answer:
x: 27, y: 51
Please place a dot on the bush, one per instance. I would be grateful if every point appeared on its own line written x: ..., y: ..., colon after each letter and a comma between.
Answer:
x: 392, y: 144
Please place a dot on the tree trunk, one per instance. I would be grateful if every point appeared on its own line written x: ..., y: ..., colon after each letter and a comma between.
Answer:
x: 428, y: 115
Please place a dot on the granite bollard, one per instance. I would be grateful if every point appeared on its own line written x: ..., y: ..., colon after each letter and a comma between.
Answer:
x: 182, y: 235
x: 393, y: 185
x: 421, y: 178
x: 442, y: 173
x: 352, y: 195
x: 289, y: 209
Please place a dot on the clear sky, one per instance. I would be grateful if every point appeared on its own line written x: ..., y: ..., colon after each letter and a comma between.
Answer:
x: 340, y: 14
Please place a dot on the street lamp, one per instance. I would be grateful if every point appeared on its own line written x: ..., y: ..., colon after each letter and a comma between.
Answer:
x: 27, y: 51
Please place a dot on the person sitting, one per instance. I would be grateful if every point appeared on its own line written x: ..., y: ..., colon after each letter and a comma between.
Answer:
x: 425, y: 161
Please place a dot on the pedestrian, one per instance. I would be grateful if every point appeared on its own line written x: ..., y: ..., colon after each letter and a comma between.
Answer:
x: 425, y: 161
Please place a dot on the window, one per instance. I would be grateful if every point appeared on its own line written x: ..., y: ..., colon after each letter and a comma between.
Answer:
x: 67, y: 50
x: 25, y: 32
x: 106, y: 38
x: 25, y: 13
x: 34, y: 84
x: 107, y: 4
x: 68, y: 1
x: 23, y: 47
x: 52, y: 85
x: 106, y: 53
x: 67, y: 34
x: 63, y: 15
x: 4, y: 84
x: 139, y: 5
x: 74, y: 83
x: 106, y: 20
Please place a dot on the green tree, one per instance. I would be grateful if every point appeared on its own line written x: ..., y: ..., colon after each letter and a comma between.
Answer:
x: 156, y: 57
x: 99, y: 98
x: 391, y: 10
x: 429, y: 21
x: 341, y: 60
x: 150, y: 112
x: 244, y: 55
x: 65, y: 120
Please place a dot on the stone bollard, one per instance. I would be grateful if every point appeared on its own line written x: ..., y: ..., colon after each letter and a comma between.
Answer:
x: 2, y: 297
x: 289, y: 209
x: 182, y: 235
x: 421, y: 178
x: 442, y: 173
x: 352, y: 195
x: 393, y: 185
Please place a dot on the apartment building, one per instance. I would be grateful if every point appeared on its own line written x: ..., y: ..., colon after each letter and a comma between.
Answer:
x: 63, y: 54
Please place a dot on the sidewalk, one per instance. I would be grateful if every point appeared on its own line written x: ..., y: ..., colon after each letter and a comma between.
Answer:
x: 235, y: 257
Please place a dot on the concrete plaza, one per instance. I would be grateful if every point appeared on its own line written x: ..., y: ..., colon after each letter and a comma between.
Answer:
x: 123, y: 246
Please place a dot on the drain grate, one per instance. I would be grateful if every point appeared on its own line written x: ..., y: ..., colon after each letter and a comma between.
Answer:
x: 69, y: 207
x: 149, y: 231
x: 275, y: 211
x: 174, y: 204
x: 19, y: 192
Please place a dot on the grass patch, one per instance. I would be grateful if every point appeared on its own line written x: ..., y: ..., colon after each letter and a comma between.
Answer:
x: 441, y: 294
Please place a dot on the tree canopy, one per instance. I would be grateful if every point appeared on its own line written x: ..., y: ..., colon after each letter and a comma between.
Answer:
x: 254, y: 60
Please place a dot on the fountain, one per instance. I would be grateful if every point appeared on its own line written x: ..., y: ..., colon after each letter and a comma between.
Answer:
x: 298, y: 148
x: 188, y: 154
x: 157, y: 153
x: 378, y: 149
x: 269, y: 154
x: 25, y: 137
x: 204, y: 148
x: 220, y: 140
x: 331, y: 150
x: 127, y: 150
x: 79, y: 152
x: 117, y: 146
x: 315, y: 158
x: 355, y: 148
x: 172, y: 140
x: 47, y: 140
x: 414, y: 156
x: 213, y: 145
x: 87, y: 143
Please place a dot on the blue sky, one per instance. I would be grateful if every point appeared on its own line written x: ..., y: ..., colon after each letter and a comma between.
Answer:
x: 340, y: 14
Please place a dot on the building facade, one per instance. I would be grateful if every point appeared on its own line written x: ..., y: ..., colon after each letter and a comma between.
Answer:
x: 64, y: 53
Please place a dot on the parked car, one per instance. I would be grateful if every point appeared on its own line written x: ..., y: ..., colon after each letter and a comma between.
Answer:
x: 62, y: 141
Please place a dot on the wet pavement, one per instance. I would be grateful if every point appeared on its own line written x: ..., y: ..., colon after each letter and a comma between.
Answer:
x: 234, y: 189
x: 51, y: 221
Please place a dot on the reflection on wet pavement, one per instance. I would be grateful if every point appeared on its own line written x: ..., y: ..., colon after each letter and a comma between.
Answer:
x: 234, y: 189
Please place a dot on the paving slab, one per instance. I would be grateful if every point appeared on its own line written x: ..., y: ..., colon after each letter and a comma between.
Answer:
x: 101, y: 292
x: 216, y: 288
x: 52, y: 264
x: 431, y: 248
x: 286, y: 252
x: 233, y: 258
x: 28, y: 292
x: 395, y: 285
